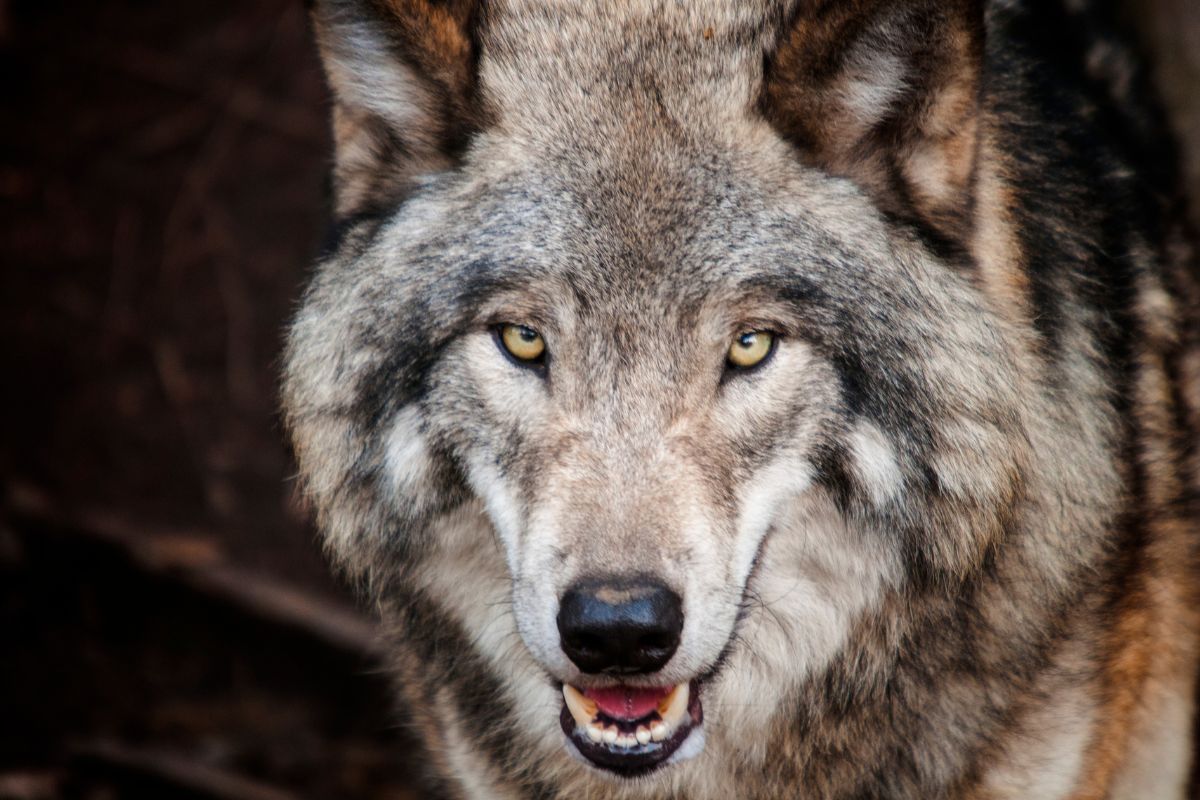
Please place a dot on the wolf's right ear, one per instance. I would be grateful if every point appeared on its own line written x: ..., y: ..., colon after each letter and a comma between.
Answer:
x: 403, y: 75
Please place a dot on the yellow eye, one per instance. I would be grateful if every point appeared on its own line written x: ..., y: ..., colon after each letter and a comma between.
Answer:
x: 524, y: 344
x: 750, y: 349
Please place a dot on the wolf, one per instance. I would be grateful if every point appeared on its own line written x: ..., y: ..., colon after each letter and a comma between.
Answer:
x: 760, y: 398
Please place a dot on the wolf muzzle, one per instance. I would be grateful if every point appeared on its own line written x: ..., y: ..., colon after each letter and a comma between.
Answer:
x: 621, y: 626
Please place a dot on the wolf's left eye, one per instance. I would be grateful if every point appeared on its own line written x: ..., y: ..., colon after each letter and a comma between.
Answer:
x: 751, y: 349
x: 522, y: 343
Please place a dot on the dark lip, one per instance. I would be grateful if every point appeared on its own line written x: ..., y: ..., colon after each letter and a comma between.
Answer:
x: 641, y: 759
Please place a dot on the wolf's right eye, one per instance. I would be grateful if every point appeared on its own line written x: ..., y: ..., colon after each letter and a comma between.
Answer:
x: 522, y: 343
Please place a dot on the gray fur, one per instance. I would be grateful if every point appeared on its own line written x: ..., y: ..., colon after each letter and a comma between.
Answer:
x: 897, y: 541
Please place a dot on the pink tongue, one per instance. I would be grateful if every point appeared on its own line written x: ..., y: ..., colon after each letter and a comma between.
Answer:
x: 627, y: 702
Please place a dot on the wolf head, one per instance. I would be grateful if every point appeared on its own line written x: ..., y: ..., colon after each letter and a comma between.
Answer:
x: 643, y: 317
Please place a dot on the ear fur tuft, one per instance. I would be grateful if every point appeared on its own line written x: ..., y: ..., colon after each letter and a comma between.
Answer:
x: 887, y: 93
x: 403, y: 75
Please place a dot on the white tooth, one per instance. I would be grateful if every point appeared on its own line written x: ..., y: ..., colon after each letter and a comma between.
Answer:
x: 643, y: 734
x: 594, y: 731
x: 674, y: 706
x: 610, y: 734
x: 627, y: 741
x: 581, y: 708
x: 659, y: 731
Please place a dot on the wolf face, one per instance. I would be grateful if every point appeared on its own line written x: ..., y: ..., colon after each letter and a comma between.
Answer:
x: 647, y: 408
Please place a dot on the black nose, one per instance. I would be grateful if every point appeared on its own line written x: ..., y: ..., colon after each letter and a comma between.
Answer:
x: 620, y: 626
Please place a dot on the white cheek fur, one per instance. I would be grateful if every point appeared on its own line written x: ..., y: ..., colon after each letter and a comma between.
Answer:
x: 874, y: 460
x: 406, y: 457
x: 816, y: 577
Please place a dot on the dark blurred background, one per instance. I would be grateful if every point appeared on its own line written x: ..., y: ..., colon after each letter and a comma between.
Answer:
x: 169, y: 628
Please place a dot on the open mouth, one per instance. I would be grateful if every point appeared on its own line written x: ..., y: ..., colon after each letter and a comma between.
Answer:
x: 630, y: 730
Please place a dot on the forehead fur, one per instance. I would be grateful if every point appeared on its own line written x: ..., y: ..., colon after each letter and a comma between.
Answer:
x: 565, y: 71
x: 626, y: 176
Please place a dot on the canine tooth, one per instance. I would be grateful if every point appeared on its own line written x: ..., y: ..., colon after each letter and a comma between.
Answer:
x: 643, y: 734
x: 674, y: 706
x: 610, y: 734
x: 581, y: 708
x: 665, y: 703
x: 659, y: 731
x: 595, y: 732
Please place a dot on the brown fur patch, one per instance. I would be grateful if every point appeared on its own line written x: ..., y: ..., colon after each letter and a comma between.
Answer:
x: 888, y: 95
x: 438, y: 39
x: 404, y: 78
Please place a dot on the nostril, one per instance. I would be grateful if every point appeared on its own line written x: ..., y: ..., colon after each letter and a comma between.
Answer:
x: 659, y: 641
x: 586, y: 641
x: 620, y: 625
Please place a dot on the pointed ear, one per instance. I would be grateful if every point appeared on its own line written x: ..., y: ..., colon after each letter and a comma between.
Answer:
x: 887, y: 93
x: 403, y: 75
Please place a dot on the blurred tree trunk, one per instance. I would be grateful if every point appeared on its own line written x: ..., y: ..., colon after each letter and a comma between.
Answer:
x: 1171, y: 30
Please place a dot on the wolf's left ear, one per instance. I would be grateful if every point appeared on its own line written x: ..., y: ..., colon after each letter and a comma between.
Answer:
x: 885, y: 92
x: 403, y: 75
